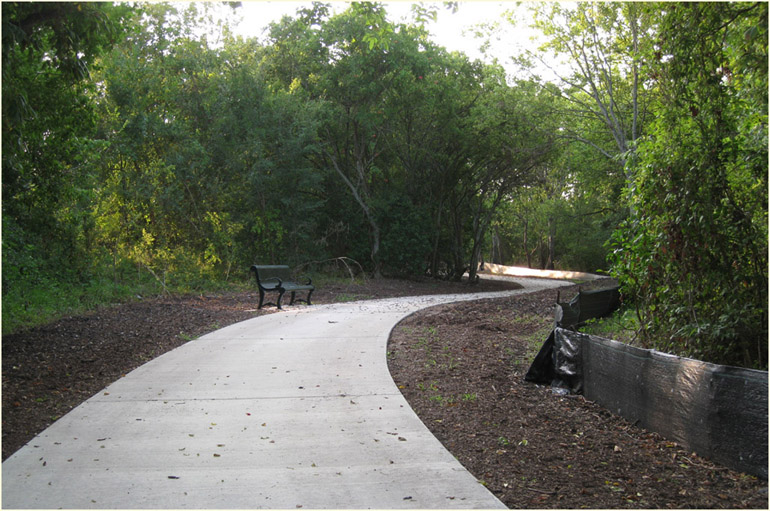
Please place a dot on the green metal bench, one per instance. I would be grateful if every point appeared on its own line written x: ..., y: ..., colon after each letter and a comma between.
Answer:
x: 278, y: 279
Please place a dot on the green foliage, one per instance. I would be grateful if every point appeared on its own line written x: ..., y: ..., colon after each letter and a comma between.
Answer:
x: 694, y: 257
x: 622, y: 326
x: 49, y: 125
x: 601, y: 42
x: 48, y: 118
x: 136, y: 150
x: 32, y: 302
x: 406, y: 242
x: 36, y: 288
x: 565, y: 214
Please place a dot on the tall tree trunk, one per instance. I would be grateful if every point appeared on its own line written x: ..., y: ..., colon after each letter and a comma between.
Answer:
x: 436, y: 237
x: 376, y: 249
x: 631, y: 162
x: 458, y: 261
x: 474, y: 265
x: 481, y: 222
x: 551, y: 244
x: 526, y: 243
x: 497, y: 250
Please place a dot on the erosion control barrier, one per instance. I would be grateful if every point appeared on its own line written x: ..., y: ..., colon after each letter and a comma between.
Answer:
x: 587, y: 305
x: 584, y: 306
x: 720, y: 412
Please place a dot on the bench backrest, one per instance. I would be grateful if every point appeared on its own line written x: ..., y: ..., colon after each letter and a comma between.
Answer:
x: 263, y: 273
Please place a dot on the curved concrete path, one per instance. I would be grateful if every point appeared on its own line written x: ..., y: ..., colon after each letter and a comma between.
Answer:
x: 290, y: 410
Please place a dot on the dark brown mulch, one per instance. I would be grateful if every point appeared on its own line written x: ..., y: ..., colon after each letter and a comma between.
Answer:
x: 460, y: 367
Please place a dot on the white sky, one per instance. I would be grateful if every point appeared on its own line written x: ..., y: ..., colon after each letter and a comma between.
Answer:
x: 448, y: 31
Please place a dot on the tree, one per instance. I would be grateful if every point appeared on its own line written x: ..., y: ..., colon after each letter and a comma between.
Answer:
x: 203, y: 153
x: 48, y: 49
x: 346, y: 65
x: 429, y: 109
x: 694, y: 258
x: 49, y: 137
x: 603, y: 44
x: 509, y: 147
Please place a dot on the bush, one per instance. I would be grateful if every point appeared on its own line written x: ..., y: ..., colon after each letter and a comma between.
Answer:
x: 406, y: 234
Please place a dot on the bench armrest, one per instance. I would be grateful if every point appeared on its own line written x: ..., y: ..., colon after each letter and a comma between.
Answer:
x: 309, y: 280
x: 271, y: 279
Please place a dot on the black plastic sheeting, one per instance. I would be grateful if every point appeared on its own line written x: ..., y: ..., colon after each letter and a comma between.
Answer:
x: 556, y: 363
x: 542, y: 368
x: 587, y: 305
x: 720, y: 412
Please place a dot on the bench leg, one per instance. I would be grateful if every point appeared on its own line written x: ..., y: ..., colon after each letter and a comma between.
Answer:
x: 280, y: 296
x: 261, y: 298
x: 307, y: 301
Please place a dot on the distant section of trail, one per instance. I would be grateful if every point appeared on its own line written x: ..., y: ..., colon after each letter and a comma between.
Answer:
x: 518, y: 271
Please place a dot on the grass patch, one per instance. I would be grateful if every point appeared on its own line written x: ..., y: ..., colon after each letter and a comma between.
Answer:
x: 535, y: 342
x: 26, y: 306
x: 538, y: 330
x: 622, y: 325
x: 33, y: 302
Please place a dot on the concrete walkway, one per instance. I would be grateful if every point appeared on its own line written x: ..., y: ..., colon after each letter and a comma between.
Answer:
x: 293, y: 410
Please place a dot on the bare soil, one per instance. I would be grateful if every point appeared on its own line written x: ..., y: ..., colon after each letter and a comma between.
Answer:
x: 460, y: 366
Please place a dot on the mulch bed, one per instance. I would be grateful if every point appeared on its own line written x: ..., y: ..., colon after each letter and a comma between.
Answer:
x: 460, y: 366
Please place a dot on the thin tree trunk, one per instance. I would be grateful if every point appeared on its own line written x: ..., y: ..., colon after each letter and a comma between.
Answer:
x: 629, y: 165
x: 526, y: 243
x: 374, y: 228
x: 436, y: 238
x: 551, y: 244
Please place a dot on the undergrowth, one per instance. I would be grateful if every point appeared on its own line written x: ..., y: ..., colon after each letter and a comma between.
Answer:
x: 622, y: 326
x: 30, y: 303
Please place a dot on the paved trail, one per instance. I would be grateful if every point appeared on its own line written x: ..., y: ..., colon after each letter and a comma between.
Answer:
x: 290, y: 410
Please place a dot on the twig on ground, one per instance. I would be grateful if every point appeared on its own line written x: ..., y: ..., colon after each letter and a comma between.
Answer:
x: 542, y: 491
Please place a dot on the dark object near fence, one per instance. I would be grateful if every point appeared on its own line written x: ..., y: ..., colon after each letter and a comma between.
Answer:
x: 278, y: 279
x: 557, y: 363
